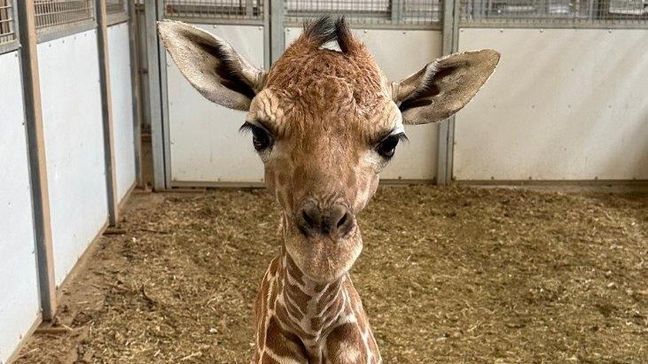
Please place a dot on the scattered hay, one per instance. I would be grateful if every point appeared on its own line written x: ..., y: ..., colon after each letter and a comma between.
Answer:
x: 447, y: 275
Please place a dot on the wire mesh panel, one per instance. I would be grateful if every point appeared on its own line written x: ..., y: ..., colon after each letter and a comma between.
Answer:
x: 422, y: 12
x: 197, y: 10
x: 115, y: 6
x: 117, y: 11
x: 426, y: 13
x: 55, y: 13
x: 560, y: 13
x: 7, y: 24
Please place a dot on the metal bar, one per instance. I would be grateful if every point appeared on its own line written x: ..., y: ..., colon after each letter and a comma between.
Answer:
x: 451, y: 121
x: 37, y: 158
x: 164, y: 98
x: 443, y: 174
x: 249, y: 8
x: 396, y: 9
x: 133, y: 41
x: 277, y: 35
x: 107, y: 112
x: 15, y: 25
x: 155, y: 102
x: 219, y: 21
x: 267, y: 57
x: 385, y: 26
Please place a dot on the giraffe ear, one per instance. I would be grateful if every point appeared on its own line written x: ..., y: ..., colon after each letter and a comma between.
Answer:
x: 444, y: 86
x: 211, y: 65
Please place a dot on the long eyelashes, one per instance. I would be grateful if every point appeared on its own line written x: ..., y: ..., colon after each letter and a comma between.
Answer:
x: 387, y: 146
x: 261, y: 138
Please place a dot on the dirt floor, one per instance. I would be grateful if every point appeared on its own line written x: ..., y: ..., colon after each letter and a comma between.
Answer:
x: 447, y: 275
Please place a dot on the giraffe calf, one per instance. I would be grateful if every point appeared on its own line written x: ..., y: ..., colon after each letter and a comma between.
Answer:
x: 324, y: 123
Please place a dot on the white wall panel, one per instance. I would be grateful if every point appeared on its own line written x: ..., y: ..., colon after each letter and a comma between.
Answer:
x: 19, y: 297
x: 70, y: 91
x: 122, y: 107
x: 562, y: 104
x: 400, y: 53
x: 206, y: 145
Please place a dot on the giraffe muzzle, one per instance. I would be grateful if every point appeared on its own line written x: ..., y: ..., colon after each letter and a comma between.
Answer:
x: 335, y: 221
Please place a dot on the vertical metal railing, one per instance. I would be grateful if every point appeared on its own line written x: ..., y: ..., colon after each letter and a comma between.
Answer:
x: 37, y: 157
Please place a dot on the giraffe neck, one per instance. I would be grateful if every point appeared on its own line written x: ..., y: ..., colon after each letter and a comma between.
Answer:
x: 307, y: 308
x: 302, y: 321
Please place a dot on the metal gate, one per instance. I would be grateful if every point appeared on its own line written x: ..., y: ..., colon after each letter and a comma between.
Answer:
x: 196, y: 143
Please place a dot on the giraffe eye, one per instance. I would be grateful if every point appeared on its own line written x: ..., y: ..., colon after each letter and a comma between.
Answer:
x: 261, y: 138
x: 387, y: 147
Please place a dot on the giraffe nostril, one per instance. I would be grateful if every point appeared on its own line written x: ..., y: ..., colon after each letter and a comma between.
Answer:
x: 345, y: 224
x: 335, y: 221
x: 343, y: 220
x: 309, y: 221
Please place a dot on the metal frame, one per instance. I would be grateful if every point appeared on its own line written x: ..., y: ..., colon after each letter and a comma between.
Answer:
x: 37, y: 157
x: 136, y: 87
x: 447, y: 127
x: 434, y: 26
x: 106, y: 111
x: 539, y: 25
x: 155, y: 105
x: 164, y: 96
x: 267, y: 41
x: 157, y: 77
x: 277, y: 24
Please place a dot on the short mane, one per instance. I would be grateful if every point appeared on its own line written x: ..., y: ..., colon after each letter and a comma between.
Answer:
x: 326, y: 29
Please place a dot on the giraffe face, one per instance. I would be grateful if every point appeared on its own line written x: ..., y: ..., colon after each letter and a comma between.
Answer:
x: 323, y: 142
x: 324, y: 123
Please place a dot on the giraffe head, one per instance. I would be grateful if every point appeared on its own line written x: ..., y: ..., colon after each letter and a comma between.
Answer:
x: 325, y: 123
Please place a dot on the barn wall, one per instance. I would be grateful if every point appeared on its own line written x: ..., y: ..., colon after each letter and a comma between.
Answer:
x: 122, y: 107
x: 206, y: 145
x: 19, y: 298
x: 72, y: 118
x: 392, y: 49
x: 563, y: 104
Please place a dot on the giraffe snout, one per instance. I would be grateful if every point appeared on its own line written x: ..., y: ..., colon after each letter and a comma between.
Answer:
x: 335, y: 221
